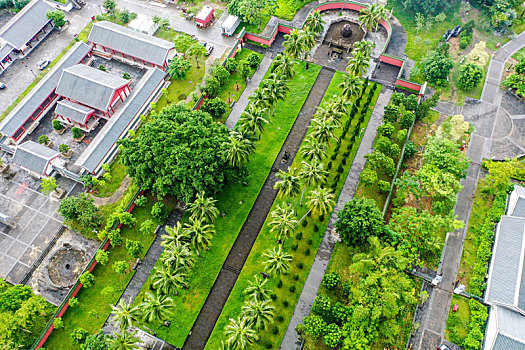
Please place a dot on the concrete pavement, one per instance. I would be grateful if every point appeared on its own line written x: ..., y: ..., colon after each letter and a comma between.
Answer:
x: 311, y: 287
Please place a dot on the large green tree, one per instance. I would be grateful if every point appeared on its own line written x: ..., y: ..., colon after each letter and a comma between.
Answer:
x: 427, y: 7
x: 254, y: 11
x: 177, y: 154
x: 81, y: 213
x: 359, y: 219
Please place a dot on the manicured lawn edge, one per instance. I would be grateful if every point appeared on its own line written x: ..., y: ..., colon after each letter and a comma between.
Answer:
x: 189, y: 302
x: 305, y: 252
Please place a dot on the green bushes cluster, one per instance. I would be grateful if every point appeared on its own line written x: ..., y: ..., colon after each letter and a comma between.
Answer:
x: 465, y: 37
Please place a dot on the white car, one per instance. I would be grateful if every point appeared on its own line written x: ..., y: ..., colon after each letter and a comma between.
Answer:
x: 209, y: 47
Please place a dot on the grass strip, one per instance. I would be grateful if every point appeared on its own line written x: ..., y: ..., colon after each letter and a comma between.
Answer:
x: 286, y: 297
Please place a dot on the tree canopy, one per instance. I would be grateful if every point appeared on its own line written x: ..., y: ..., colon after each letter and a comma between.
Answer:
x: 428, y: 7
x: 359, y: 219
x: 178, y: 154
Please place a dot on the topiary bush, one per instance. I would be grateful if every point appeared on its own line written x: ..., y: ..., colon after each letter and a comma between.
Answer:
x: 331, y: 280
x: 292, y: 289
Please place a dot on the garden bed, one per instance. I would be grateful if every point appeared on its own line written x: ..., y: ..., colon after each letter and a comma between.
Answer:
x: 236, y: 201
x: 307, y: 246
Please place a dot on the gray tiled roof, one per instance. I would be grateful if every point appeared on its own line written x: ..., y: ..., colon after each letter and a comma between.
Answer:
x: 130, y: 42
x: 121, y: 121
x: 504, y: 273
x: 73, y: 111
x: 89, y: 86
x: 505, y: 343
x: 34, y: 156
x: 5, y: 50
x: 42, y: 90
x: 21, y: 28
x: 519, y: 208
x: 509, y: 330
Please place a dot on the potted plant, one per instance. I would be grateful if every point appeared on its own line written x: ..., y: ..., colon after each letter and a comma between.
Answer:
x: 44, y: 140
x: 58, y: 127
x: 78, y: 135
x: 49, y: 186
x: 65, y: 150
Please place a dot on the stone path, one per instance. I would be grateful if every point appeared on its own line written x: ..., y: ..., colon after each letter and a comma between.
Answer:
x: 212, y: 308
x: 291, y: 338
x: 254, y: 82
x: 499, y: 129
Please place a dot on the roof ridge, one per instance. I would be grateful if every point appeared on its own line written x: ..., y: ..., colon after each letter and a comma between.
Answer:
x: 139, y: 35
x: 87, y: 77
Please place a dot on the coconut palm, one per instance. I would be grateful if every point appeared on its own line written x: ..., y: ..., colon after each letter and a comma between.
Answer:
x: 283, y: 222
x: 283, y: 65
x: 293, y: 44
x: 315, y: 22
x: 323, y: 129
x: 275, y: 90
x: 325, y: 112
x: 350, y: 86
x: 124, y: 314
x: 239, y: 333
x: 288, y: 185
x: 156, y: 307
x: 258, y: 312
x: 168, y: 281
x: 312, y: 149
x: 277, y: 260
x: 175, y: 234
x: 311, y: 173
x: 200, y: 233
x: 321, y: 201
x: 259, y: 99
x: 237, y: 149
x: 365, y: 47
x: 339, y: 107
x: 178, y: 256
x: 358, y: 64
x: 252, y: 120
x: 124, y: 341
x: 203, y: 208
x: 256, y: 289
x: 370, y: 17
x: 308, y: 38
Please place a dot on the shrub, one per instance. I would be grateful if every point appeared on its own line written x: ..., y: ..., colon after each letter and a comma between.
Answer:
x: 304, y: 223
x: 292, y: 289
x: 280, y: 318
x: 333, y: 336
x: 120, y: 266
x: 179, y: 68
x: 115, y: 237
x: 58, y: 323
x: 300, y: 265
x: 294, y: 246
x: 295, y: 277
x: 57, y: 125
x: 159, y: 212
x: 102, y: 257
x: 470, y: 76
x: 77, y: 133
x: 316, y: 228
x: 383, y: 186
x: 63, y: 148
x: 231, y: 65
x: 321, y: 217
x: 273, y: 296
x: 141, y: 201
x: 329, y: 165
x: 385, y: 129
x: 102, y: 68
x: 268, y: 345
x: 134, y: 248
x: 333, y: 156
x: 279, y: 284
x: 299, y: 236
x: 331, y: 280
x: 340, y: 168
x: 322, y: 306
x: 346, y: 289
x: 253, y: 60
x: 147, y: 227
x: 307, y: 251
x: 43, y: 139
x: 368, y: 177
x: 286, y: 303
x: 79, y: 335
x: 73, y: 302
x: 127, y: 76
x: 275, y: 330
x: 310, y: 241
x: 87, y: 279
x: 215, y: 107
x: 410, y: 149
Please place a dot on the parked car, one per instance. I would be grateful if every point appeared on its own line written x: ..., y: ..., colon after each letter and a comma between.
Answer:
x: 209, y: 47
x: 444, y: 347
x: 43, y: 63
x: 2, y: 86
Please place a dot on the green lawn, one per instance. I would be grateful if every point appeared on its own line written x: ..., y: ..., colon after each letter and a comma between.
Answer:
x: 235, y: 85
x: 288, y: 8
x: 82, y: 36
x: 307, y: 246
x: 236, y: 201
x: 94, y: 306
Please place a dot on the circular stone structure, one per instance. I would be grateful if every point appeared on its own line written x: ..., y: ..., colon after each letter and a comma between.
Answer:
x: 66, y: 266
x: 346, y: 30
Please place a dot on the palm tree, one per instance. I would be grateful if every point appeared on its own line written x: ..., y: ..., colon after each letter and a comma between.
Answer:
x: 239, y: 333
x: 308, y: 39
x: 258, y: 312
x: 312, y: 149
x: 124, y: 314
x: 358, y: 64
x: 203, y: 208
x: 278, y: 261
x: 323, y: 130
x: 350, y: 86
x: 283, y: 65
x: 311, y: 173
x: 321, y: 201
x: 379, y: 11
x: 289, y: 185
x: 315, y: 22
x: 252, y: 121
x: 167, y: 280
x: 275, y: 90
x: 325, y: 112
x: 237, y: 150
x: 259, y: 99
x: 339, y: 107
x: 283, y: 222
x: 124, y: 341
x: 371, y: 16
x: 256, y: 289
x: 156, y: 307
x: 365, y: 47
x: 175, y: 234
x: 178, y: 256
x: 200, y: 233
x: 293, y: 44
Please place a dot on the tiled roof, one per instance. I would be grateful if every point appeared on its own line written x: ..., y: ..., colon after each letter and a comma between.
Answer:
x: 73, y: 111
x: 34, y: 156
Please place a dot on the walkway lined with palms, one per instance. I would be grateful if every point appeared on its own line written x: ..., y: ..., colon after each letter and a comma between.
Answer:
x: 304, y: 305
x: 237, y: 256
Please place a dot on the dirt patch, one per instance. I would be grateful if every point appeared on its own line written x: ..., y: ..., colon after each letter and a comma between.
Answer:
x: 115, y: 196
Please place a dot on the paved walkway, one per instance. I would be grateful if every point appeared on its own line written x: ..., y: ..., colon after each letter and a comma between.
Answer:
x: 499, y: 127
x: 291, y: 338
x: 254, y: 82
x: 220, y: 292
